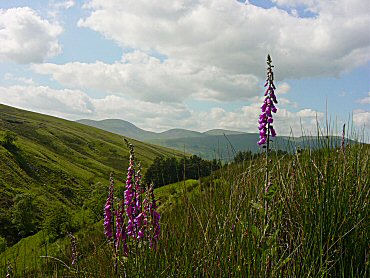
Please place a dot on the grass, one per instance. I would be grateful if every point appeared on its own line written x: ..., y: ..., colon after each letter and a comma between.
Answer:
x: 59, y: 162
x: 312, y: 222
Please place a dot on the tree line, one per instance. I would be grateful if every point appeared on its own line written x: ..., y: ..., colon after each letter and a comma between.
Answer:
x: 170, y: 170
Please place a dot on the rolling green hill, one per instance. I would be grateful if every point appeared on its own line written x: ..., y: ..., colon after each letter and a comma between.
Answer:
x: 58, y: 163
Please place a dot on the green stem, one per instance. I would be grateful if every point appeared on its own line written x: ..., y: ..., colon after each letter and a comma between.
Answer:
x: 266, y: 173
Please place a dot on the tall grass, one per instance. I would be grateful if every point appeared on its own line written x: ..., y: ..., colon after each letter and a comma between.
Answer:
x: 315, y: 224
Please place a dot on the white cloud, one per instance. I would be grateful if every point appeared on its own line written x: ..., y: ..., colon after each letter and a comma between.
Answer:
x: 307, y: 113
x: 361, y: 118
x: 63, y: 103
x: 17, y: 79
x: 283, y: 88
x: 214, y: 50
x: 76, y: 104
x: 149, y: 79
x: 66, y: 4
x: 26, y: 37
x: 245, y: 119
x: 236, y: 37
x: 365, y: 100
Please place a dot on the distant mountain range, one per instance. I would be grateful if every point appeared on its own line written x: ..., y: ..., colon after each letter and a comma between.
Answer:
x: 215, y: 143
x: 128, y: 129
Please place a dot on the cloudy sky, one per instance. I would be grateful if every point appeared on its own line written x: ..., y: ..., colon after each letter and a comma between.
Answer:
x: 195, y: 64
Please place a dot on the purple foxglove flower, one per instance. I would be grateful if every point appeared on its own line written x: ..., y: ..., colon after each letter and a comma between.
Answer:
x: 262, y: 126
x: 108, y: 208
x: 130, y: 194
x: 262, y: 140
x: 121, y: 236
x: 273, y: 133
x: 130, y: 228
x: 273, y: 97
x: 265, y: 119
x: 263, y: 107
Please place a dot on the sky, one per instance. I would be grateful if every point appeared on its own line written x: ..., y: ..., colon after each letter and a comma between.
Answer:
x: 194, y: 64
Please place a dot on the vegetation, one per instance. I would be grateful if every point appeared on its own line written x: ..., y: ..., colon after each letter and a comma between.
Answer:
x: 170, y: 170
x: 317, y: 215
x: 308, y: 219
x: 8, y: 139
x: 53, y: 169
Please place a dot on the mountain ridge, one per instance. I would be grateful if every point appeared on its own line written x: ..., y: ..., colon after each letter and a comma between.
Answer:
x: 217, y: 143
x: 127, y: 128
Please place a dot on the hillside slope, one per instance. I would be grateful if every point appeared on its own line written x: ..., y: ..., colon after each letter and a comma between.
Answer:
x: 60, y: 161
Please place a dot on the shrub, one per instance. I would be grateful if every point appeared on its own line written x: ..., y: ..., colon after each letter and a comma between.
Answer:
x: 2, y: 244
x: 8, y: 139
x: 57, y: 222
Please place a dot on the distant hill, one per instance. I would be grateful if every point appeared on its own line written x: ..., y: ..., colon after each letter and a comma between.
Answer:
x: 177, y: 133
x: 121, y: 127
x: 222, y: 132
x: 60, y: 161
x: 215, y: 143
x: 128, y: 129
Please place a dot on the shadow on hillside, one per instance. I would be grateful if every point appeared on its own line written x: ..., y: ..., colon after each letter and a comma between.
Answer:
x: 22, y: 161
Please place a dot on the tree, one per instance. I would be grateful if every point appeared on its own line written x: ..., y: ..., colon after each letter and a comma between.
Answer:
x: 57, y: 221
x: 96, y: 201
x: 26, y: 214
x: 169, y: 170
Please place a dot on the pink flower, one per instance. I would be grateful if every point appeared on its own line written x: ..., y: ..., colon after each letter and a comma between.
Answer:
x: 108, y: 208
x: 265, y: 119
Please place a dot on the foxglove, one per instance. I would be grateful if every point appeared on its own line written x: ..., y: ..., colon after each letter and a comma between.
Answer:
x: 268, y: 107
x: 108, y: 208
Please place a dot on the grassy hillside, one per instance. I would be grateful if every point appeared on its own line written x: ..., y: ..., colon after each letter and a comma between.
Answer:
x: 311, y: 222
x: 58, y: 162
x: 310, y: 219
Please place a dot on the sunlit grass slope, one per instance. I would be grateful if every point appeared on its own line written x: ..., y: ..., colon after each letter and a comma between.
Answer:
x: 59, y: 160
